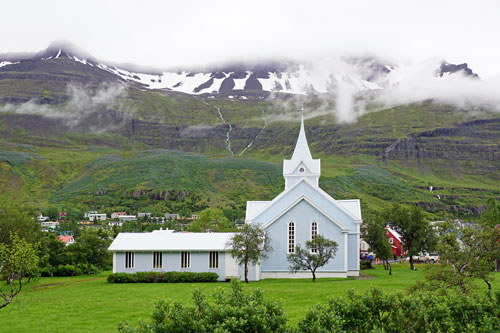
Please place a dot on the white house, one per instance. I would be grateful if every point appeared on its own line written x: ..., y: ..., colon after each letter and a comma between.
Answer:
x: 124, y: 218
x: 302, y: 211
x: 94, y: 216
x: 165, y: 250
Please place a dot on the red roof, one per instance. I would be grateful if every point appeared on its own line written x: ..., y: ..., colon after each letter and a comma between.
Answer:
x: 65, y: 239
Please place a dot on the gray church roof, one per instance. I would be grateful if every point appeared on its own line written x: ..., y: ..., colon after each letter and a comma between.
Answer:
x: 166, y: 240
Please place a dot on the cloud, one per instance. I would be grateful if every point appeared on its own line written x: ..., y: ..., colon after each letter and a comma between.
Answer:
x: 85, y: 107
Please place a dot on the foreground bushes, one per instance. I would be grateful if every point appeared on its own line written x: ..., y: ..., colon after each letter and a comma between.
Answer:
x: 224, y: 311
x: 162, y: 277
x: 373, y: 311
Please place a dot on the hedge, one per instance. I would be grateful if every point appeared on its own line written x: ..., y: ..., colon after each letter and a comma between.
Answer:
x: 162, y: 277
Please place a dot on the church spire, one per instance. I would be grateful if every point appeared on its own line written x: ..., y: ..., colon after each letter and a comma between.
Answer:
x: 301, y: 151
x: 301, y: 165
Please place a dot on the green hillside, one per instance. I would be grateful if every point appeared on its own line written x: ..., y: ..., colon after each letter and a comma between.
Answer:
x: 170, y: 152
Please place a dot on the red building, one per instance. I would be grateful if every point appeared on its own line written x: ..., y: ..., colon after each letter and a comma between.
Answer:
x: 395, y: 240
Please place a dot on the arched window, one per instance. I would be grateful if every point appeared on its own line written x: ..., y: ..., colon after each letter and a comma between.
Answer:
x: 314, y: 233
x: 291, y: 237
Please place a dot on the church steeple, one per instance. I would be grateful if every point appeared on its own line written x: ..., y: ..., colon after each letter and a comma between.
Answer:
x: 301, y: 165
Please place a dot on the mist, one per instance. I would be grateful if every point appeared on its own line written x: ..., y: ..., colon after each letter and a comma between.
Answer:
x: 84, y: 104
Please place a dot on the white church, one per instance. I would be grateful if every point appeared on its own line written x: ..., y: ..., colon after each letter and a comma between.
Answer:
x: 296, y: 215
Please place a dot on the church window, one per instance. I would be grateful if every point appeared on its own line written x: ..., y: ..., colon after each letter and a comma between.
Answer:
x: 291, y: 237
x: 213, y: 260
x: 157, y: 259
x: 129, y: 259
x: 314, y: 233
x: 185, y: 259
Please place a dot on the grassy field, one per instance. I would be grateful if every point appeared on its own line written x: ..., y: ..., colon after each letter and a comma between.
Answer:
x: 90, y: 304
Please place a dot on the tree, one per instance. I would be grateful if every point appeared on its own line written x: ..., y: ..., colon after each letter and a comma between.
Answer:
x: 491, y: 216
x: 52, y: 252
x: 374, y: 236
x: 90, y: 249
x: 466, y: 254
x: 416, y: 233
x: 249, y: 246
x: 211, y: 219
x: 18, y: 221
x: 18, y: 264
x: 317, y: 253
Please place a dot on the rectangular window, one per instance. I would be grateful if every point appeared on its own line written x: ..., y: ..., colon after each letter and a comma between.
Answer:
x: 291, y: 237
x: 185, y: 259
x: 157, y: 259
x: 129, y: 259
x: 314, y: 233
x: 213, y: 259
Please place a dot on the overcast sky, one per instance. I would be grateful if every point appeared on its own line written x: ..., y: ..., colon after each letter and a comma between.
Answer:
x: 172, y: 33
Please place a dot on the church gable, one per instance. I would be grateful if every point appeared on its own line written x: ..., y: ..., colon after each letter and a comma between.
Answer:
x: 319, y: 198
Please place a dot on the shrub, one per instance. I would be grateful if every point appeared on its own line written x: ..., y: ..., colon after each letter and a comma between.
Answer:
x: 423, y: 312
x: 365, y: 264
x: 224, y: 311
x: 61, y: 270
x: 162, y: 277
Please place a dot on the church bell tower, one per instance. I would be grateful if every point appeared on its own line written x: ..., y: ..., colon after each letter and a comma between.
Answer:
x: 301, y: 165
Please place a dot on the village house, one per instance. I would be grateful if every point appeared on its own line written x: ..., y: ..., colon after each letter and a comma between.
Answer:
x: 95, y: 216
x: 143, y: 214
x: 66, y: 239
x: 302, y: 211
x: 125, y: 218
x: 394, y: 238
x: 115, y: 215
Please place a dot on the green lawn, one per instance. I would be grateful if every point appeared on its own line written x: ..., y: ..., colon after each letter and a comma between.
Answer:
x: 83, y: 304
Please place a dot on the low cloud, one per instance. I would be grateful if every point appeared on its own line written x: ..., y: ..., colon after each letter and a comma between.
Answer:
x: 84, y: 104
x: 356, y: 88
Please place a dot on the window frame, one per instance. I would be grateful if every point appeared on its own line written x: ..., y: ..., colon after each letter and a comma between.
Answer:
x: 291, y: 238
x: 129, y: 260
x: 213, y: 258
x: 311, y: 236
x: 160, y: 256
x: 185, y: 259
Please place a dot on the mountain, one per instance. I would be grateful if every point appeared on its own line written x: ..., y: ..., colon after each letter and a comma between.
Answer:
x: 78, y: 132
x: 363, y: 73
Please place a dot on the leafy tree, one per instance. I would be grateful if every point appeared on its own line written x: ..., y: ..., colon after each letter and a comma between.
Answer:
x: 317, y: 253
x: 249, y: 246
x: 224, y: 311
x: 18, y: 264
x: 90, y: 249
x: 466, y: 254
x: 52, y: 212
x: 19, y: 221
x: 416, y: 233
x: 374, y: 236
x: 211, y: 219
x: 491, y: 216
x: 52, y: 252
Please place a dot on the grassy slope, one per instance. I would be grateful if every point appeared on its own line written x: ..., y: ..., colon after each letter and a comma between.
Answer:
x: 91, y: 304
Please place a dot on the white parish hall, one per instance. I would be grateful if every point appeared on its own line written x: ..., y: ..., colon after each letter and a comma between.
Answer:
x: 296, y: 215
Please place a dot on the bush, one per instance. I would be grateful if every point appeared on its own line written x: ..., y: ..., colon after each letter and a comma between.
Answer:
x: 224, y: 311
x: 61, y: 270
x: 162, y: 277
x: 365, y: 264
x: 424, y: 312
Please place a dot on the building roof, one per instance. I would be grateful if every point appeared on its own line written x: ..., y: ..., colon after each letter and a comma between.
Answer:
x: 167, y: 240
x: 65, y: 239
x: 394, y: 233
